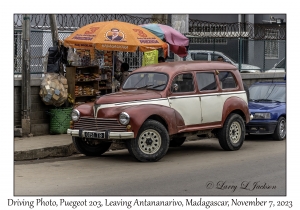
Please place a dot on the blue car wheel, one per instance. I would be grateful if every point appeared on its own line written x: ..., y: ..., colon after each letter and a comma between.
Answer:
x: 280, y: 130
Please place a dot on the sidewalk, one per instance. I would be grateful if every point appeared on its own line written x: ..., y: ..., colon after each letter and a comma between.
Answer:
x: 38, y: 147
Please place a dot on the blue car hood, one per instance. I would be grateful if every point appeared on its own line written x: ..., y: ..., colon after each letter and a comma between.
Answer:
x: 255, y: 106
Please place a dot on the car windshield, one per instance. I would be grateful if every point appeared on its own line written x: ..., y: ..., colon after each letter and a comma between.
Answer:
x: 268, y: 93
x: 146, y: 80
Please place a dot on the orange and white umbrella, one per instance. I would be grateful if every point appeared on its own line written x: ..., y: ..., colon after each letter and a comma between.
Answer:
x: 114, y: 36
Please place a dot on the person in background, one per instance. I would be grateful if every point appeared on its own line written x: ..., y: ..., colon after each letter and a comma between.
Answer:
x: 220, y: 58
x: 161, y: 59
x: 125, y: 72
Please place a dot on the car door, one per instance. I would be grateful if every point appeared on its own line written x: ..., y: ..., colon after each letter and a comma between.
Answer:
x: 184, y: 99
x: 210, y: 98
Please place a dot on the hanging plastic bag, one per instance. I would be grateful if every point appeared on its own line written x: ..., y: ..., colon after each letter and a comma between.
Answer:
x: 54, y: 89
x: 45, y: 62
x: 71, y: 57
x: 150, y: 57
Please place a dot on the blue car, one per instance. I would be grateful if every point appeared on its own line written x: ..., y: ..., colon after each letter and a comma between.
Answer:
x: 267, y: 104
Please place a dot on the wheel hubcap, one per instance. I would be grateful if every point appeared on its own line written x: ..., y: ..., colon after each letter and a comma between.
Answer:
x: 149, y: 141
x: 235, y: 132
x: 282, y: 128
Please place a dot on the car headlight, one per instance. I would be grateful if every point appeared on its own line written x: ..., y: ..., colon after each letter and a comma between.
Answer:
x: 75, y: 115
x: 124, y: 118
x: 262, y: 115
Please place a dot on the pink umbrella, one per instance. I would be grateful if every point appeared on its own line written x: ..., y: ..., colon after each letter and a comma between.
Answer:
x: 177, y: 41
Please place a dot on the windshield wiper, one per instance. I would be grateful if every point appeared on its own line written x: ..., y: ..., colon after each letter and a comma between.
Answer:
x: 158, y: 85
x: 145, y: 86
x: 140, y: 81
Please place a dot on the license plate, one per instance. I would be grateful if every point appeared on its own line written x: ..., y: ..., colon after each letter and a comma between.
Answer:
x: 95, y: 135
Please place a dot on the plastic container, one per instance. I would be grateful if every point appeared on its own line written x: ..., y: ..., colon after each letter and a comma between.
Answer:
x: 60, y: 120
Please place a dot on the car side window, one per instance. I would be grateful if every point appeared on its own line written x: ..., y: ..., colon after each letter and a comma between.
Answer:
x: 183, y: 83
x: 215, y: 57
x: 206, y: 81
x: 227, y: 80
x: 199, y: 56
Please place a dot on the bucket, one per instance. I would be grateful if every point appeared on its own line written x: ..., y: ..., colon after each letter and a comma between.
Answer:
x: 60, y: 120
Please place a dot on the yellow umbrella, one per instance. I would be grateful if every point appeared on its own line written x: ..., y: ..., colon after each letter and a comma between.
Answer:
x: 114, y: 36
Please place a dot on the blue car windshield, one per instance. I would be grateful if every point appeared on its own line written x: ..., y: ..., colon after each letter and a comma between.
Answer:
x: 268, y: 93
x: 146, y: 80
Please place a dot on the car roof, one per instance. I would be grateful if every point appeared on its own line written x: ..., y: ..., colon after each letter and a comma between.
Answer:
x: 208, y: 51
x: 179, y: 66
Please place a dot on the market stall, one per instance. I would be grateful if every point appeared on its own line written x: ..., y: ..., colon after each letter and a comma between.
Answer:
x: 93, y: 61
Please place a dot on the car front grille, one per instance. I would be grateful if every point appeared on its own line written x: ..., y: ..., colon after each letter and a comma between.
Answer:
x: 99, y: 124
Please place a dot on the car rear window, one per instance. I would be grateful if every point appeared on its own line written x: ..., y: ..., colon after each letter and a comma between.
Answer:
x: 227, y: 80
x: 206, y: 81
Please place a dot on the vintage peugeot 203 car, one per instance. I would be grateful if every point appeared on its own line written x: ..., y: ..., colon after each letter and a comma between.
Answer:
x: 160, y: 105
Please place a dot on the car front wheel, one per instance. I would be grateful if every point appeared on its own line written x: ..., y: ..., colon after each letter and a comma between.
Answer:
x: 90, y: 147
x: 151, y: 143
x: 232, y: 135
x: 280, y: 130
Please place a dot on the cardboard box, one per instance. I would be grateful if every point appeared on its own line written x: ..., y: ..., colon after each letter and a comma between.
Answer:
x: 55, y: 97
x: 47, y: 87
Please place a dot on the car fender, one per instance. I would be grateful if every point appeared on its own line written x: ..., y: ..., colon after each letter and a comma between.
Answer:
x: 140, y: 113
x: 86, y: 109
x: 235, y: 104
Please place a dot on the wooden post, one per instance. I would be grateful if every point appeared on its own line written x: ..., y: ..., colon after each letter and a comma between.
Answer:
x: 26, y: 88
x: 54, y: 31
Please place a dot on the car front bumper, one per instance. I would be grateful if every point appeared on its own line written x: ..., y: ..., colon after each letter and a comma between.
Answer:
x: 106, y: 134
x: 259, y: 127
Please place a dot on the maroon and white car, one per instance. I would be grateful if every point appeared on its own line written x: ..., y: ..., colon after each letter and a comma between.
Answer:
x: 160, y: 105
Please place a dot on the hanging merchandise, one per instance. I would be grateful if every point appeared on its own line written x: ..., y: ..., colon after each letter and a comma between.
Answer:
x: 71, y: 56
x: 54, y: 89
x: 150, y: 57
x: 54, y: 58
x: 86, y: 59
x: 45, y: 62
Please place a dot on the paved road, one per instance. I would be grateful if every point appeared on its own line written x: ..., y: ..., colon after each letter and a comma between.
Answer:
x: 196, y: 168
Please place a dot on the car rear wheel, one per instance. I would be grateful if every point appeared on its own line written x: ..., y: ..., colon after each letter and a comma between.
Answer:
x: 177, y: 142
x: 232, y: 135
x: 151, y: 143
x: 90, y: 147
x: 280, y: 130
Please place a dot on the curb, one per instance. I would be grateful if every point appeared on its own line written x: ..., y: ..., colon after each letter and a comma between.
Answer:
x: 56, y: 151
